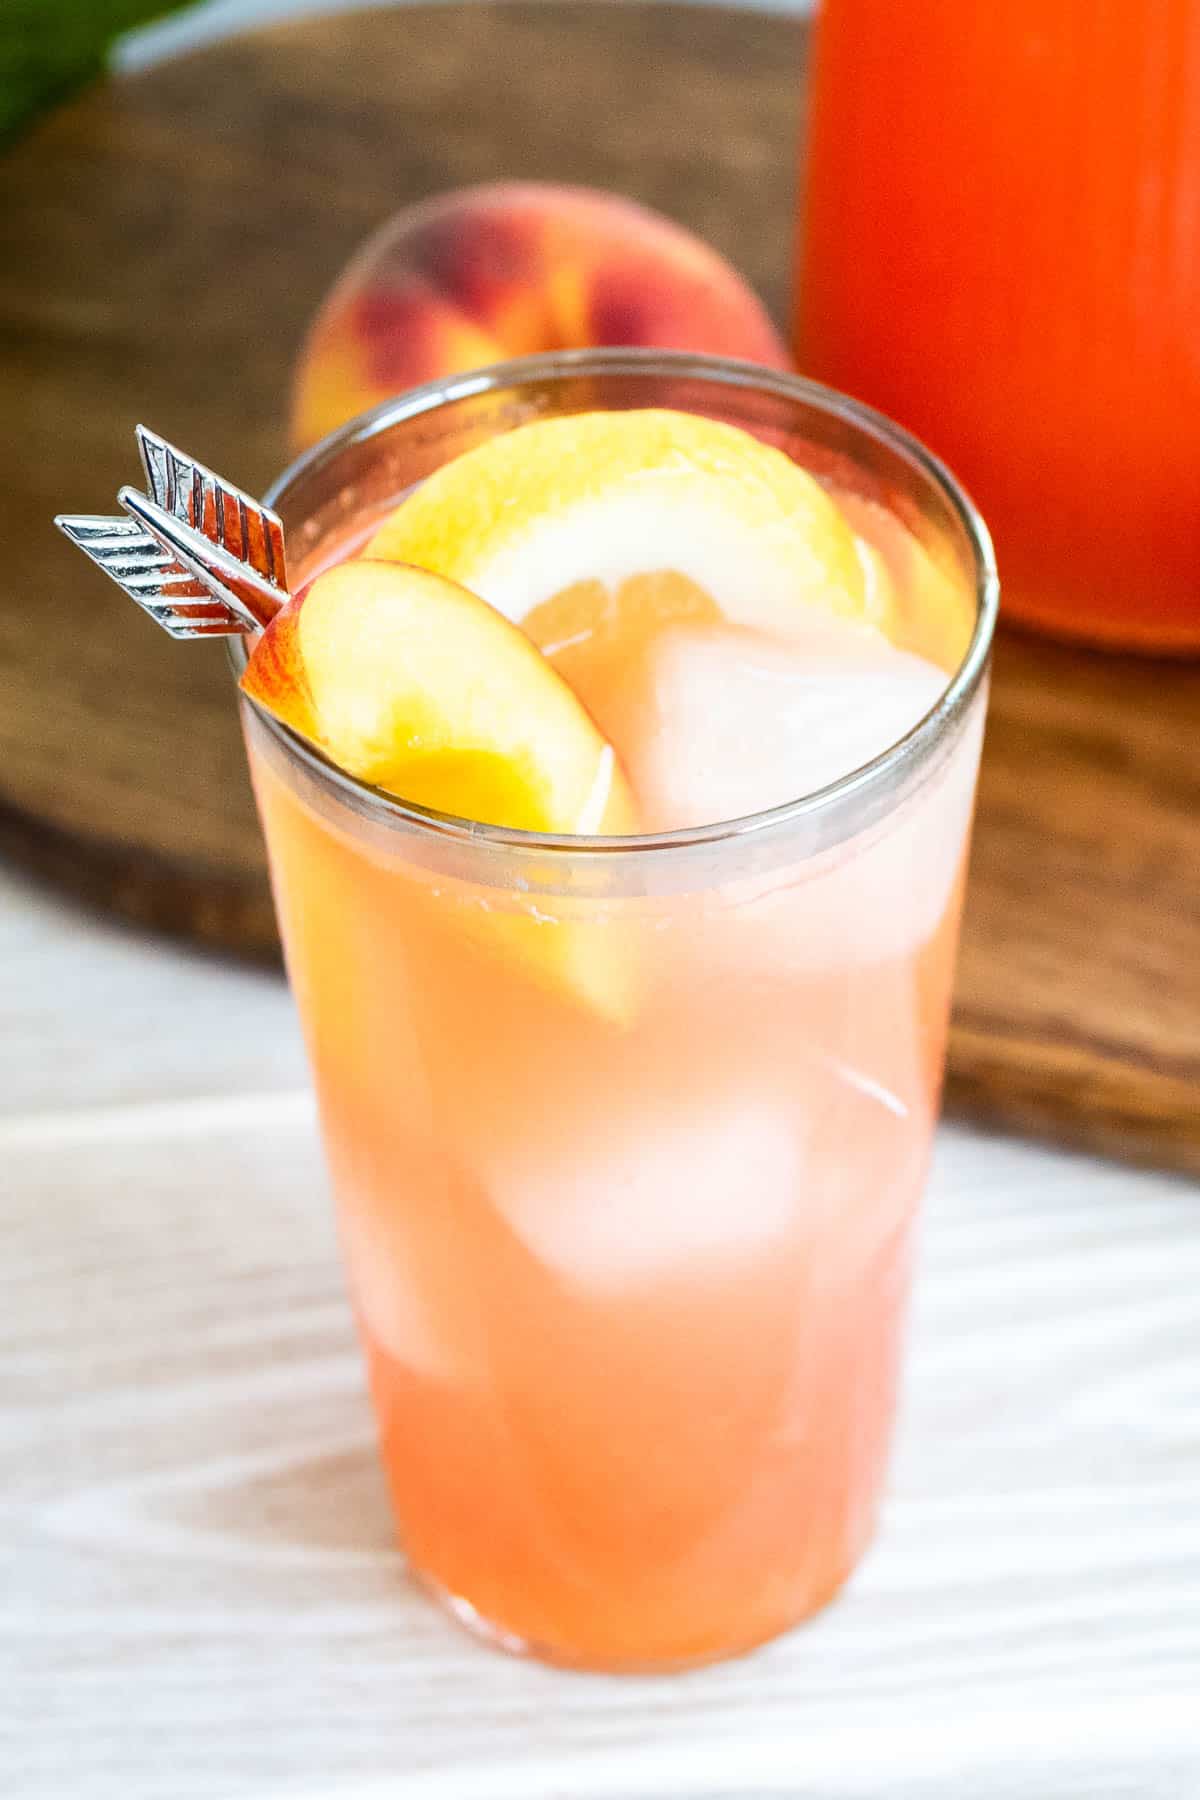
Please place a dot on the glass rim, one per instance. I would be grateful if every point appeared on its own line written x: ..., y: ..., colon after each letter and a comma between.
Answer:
x: 913, y: 748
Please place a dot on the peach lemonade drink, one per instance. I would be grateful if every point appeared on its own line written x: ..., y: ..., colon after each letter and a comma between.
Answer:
x: 620, y: 900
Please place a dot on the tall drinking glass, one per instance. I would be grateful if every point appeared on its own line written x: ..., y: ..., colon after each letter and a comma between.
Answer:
x: 629, y: 1251
x: 1001, y: 248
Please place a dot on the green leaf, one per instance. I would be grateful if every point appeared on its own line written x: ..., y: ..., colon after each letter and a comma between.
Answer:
x: 49, y: 47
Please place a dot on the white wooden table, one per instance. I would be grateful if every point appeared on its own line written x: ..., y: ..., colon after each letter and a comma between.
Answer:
x: 198, y: 1594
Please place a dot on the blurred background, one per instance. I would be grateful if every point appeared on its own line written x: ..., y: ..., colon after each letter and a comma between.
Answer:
x: 50, y: 46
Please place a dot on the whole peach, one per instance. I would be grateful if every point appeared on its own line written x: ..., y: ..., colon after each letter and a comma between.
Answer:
x: 508, y: 269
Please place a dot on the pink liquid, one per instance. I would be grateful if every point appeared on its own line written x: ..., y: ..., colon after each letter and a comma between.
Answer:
x: 632, y: 1276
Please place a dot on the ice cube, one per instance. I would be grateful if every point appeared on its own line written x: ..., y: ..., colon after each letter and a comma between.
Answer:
x: 402, y: 1243
x: 873, y: 898
x: 803, y: 1157
x: 638, y: 1185
x: 388, y: 1304
x: 728, y: 722
x: 725, y: 722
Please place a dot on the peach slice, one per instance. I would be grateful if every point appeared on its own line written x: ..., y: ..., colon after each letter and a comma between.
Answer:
x: 609, y: 498
x: 928, y: 606
x: 416, y: 686
x: 597, y: 637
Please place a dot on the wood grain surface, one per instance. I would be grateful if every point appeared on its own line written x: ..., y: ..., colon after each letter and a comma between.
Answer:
x: 199, y: 1596
x: 163, y: 242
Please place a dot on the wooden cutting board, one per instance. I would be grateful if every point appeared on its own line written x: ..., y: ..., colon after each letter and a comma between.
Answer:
x: 163, y: 241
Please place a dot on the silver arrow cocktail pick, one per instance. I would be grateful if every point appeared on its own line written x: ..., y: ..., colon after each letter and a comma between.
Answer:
x: 200, y: 556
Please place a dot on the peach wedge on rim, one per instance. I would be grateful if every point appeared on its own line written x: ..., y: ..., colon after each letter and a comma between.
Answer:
x: 410, y: 683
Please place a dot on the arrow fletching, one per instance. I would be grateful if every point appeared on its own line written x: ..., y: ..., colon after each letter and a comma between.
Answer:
x: 250, y: 532
x: 201, y: 557
x: 150, y: 575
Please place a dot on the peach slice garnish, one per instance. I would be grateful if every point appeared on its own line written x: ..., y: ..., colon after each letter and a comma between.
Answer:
x: 605, y: 499
x: 412, y: 684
